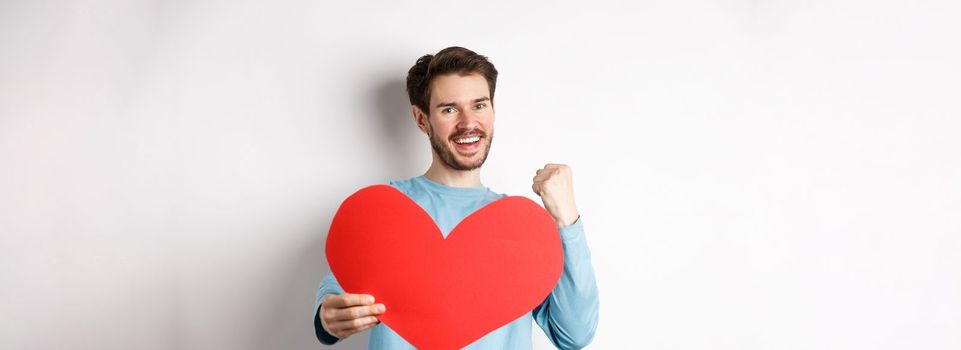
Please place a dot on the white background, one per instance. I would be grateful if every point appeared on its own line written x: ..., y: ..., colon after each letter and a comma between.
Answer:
x: 752, y: 174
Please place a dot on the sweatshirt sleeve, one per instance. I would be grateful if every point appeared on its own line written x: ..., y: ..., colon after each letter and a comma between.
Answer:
x: 569, y: 314
x: 327, y: 286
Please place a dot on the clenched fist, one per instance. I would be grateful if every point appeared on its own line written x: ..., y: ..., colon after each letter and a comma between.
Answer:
x: 346, y: 314
x: 555, y: 185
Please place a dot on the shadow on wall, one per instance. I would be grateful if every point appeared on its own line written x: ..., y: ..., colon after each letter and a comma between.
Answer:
x: 403, y: 142
x: 289, y: 325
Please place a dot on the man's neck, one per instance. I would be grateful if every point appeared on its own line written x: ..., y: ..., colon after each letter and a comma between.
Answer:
x: 444, y: 175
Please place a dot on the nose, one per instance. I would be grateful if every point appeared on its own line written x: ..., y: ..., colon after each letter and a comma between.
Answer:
x: 468, y: 120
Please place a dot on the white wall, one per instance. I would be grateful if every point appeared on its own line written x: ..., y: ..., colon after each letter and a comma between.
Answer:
x: 752, y: 174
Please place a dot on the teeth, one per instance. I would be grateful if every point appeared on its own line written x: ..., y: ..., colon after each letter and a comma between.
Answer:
x: 468, y: 139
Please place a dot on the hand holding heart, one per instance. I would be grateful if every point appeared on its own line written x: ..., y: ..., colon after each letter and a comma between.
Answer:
x: 555, y: 185
x: 346, y: 314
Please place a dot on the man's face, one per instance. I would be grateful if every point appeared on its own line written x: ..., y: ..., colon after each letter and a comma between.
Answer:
x: 461, y: 121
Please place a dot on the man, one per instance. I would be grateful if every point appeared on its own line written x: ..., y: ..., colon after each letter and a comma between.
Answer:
x: 452, y: 102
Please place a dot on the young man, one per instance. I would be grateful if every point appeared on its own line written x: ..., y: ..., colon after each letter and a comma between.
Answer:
x: 452, y: 101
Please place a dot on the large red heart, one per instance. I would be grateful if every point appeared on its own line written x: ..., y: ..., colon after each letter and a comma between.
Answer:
x: 496, y: 265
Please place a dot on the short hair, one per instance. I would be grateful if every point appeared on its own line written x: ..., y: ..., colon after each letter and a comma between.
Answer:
x: 452, y: 60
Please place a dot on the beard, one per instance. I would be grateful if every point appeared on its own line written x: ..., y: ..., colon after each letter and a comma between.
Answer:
x: 446, y: 154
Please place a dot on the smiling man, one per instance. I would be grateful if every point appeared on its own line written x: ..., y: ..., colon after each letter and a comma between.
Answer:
x: 452, y: 102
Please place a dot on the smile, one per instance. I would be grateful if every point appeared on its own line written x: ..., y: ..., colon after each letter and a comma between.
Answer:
x: 466, y: 140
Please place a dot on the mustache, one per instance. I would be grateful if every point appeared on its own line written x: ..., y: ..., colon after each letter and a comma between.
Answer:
x: 461, y: 133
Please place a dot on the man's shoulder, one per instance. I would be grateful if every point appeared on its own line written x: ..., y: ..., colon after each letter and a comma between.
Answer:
x: 404, y: 185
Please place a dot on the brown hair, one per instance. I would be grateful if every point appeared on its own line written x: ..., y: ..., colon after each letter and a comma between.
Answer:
x: 451, y: 60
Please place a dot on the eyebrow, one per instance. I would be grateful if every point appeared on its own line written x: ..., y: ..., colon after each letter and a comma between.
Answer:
x: 452, y: 104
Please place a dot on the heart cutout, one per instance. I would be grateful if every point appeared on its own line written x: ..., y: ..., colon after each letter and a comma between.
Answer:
x: 497, y: 264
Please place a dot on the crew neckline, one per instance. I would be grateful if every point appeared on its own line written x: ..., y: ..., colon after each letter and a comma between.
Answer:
x: 458, y: 191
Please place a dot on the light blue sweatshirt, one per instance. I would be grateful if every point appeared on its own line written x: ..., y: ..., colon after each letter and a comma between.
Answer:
x: 568, y: 315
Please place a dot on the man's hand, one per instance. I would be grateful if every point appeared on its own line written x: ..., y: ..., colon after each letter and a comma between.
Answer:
x: 555, y: 185
x: 346, y: 314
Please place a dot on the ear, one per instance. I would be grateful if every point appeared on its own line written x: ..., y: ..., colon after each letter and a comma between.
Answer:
x: 420, y: 118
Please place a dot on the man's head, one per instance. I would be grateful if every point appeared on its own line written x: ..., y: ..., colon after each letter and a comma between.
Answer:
x: 452, y: 100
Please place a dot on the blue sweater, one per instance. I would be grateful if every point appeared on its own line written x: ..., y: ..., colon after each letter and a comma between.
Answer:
x: 568, y: 316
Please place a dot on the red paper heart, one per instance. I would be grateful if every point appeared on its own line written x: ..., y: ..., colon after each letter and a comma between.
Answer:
x: 496, y: 265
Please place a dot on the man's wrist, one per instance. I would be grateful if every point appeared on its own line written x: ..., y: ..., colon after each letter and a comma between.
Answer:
x: 567, y: 220
x: 573, y: 231
x: 322, y: 334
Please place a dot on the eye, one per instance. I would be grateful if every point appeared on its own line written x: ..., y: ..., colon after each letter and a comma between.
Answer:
x: 480, y: 106
x: 448, y: 110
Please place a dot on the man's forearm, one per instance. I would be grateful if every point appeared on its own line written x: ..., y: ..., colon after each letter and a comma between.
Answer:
x: 570, y: 313
x: 327, y: 286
